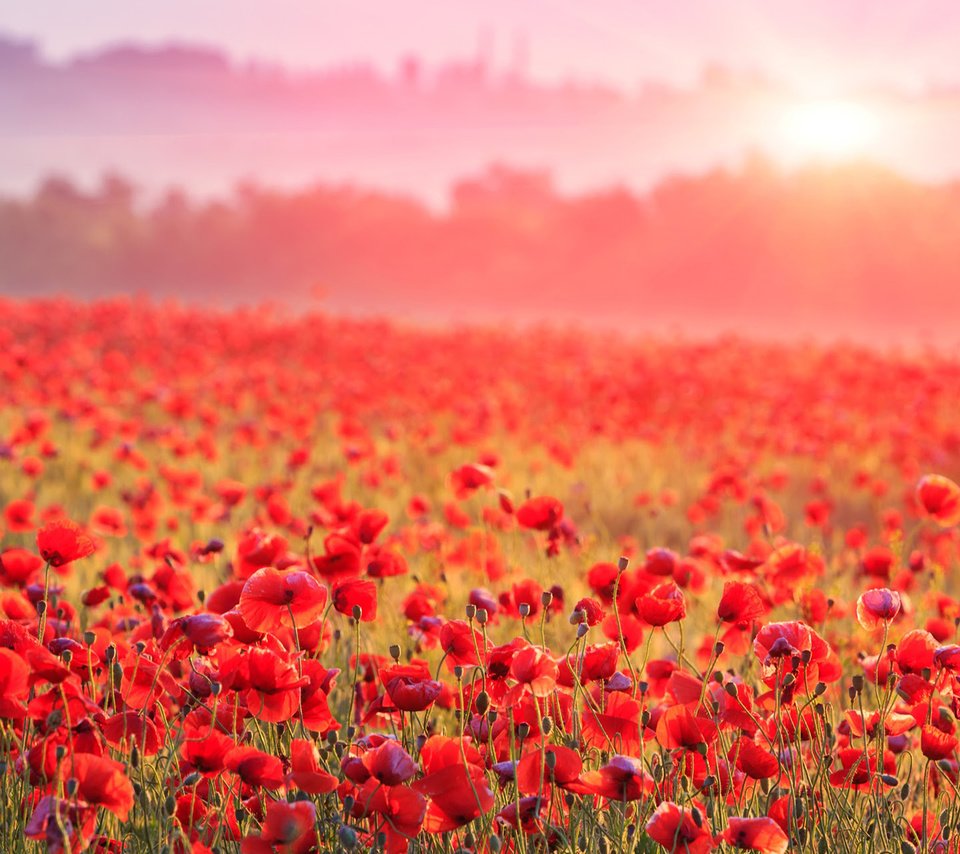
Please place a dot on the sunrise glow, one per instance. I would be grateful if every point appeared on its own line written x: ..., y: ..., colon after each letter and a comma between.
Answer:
x: 830, y: 128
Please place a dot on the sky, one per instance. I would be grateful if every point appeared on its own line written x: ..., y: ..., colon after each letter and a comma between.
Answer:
x: 824, y: 47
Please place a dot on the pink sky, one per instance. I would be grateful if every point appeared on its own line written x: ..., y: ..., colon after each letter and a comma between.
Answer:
x: 823, y: 46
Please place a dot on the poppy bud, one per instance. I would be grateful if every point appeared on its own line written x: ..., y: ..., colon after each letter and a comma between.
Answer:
x: 819, y: 689
x: 215, y: 688
x: 550, y: 760
x: 582, y: 629
x: 622, y: 564
x: 546, y: 598
x: 71, y: 788
x: 492, y: 716
x: 348, y: 803
x: 482, y: 702
x: 458, y: 672
x: 644, y: 686
x: 857, y: 683
x: 718, y: 648
x: 67, y: 656
x: 134, y: 757
x: 731, y: 689
x: 482, y: 616
x: 110, y: 653
x: 523, y: 730
x: 545, y: 726
x: 718, y: 677
x: 395, y: 651
x: 470, y: 610
x: 331, y: 738
x: 524, y: 609
x: 357, y: 612
x: 54, y: 719
x: 191, y: 779
x: 788, y: 680
x: 494, y: 844
x: 89, y: 638
x: 347, y: 837
x: 170, y: 805
x: 41, y: 607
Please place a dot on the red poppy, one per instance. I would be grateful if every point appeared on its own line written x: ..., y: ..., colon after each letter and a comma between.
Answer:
x: 356, y: 593
x: 19, y: 515
x: 17, y: 565
x: 272, y: 691
x: 306, y: 772
x: 287, y: 827
x: 389, y: 763
x: 410, y: 686
x: 679, y: 830
x: 761, y: 834
x: 755, y: 761
x: 460, y: 643
x: 939, y: 497
x: 562, y: 769
x: 623, y: 778
x: 678, y: 727
x: 101, y: 782
x: 664, y: 604
x: 458, y: 794
x: 272, y: 598
x: 540, y: 514
x: 740, y: 603
x: 616, y: 727
x: 255, y: 767
x: 935, y: 744
x: 877, y: 606
x: 62, y: 541
x: 534, y: 668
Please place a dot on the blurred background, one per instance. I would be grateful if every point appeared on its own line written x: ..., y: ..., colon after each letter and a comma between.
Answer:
x: 763, y: 167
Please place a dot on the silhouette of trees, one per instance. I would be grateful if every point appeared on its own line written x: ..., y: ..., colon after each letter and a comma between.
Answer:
x: 842, y: 248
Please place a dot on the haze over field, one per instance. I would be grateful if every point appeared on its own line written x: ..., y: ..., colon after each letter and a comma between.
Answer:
x: 791, y: 168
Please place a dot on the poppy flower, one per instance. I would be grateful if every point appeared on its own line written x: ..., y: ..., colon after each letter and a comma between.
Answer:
x: 14, y: 685
x: 356, y: 593
x: 939, y: 497
x: 562, y: 769
x: 254, y: 767
x: 534, y: 668
x: 19, y: 515
x: 287, y: 828
x: 272, y: 598
x: 623, y: 778
x: 677, y: 829
x: 62, y: 541
x: 458, y: 794
x: 389, y: 763
x: 616, y: 727
x: 877, y: 606
x: 101, y: 782
x: 410, y: 686
x: 540, y: 514
x: 935, y: 744
x: 272, y: 691
x: 761, y: 834
x: 755, y: 761
x: 306, y: 772
x: 460, y: 643
x: 740, y: 603
x: 859, y: 770
x: 678, y: 727
x: 17, y: 565
x: 664, y: 604
x: 588, y: 611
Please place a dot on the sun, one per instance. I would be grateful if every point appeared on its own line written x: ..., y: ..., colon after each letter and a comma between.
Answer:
x: 828, y: 128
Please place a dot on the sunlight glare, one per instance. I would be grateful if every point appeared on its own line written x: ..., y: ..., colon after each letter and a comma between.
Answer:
x: 828, y: 128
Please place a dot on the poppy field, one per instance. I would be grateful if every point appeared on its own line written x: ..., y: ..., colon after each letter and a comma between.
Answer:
x: 308, y: 584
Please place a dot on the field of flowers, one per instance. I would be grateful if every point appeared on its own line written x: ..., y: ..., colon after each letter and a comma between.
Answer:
x: 315, y: 584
